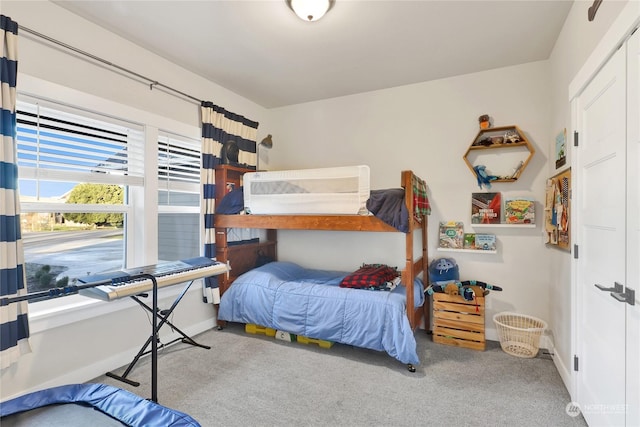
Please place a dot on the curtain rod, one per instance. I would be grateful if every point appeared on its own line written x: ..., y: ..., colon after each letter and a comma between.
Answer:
x: 152, y: 82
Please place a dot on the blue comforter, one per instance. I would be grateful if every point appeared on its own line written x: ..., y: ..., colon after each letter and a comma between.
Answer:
x: 288, y: 297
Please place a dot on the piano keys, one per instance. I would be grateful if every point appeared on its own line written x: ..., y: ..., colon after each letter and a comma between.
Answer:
x: 122, y: 283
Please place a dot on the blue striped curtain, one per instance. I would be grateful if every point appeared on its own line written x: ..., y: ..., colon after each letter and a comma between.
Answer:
x: 220, y: 126
x: 14, y: 324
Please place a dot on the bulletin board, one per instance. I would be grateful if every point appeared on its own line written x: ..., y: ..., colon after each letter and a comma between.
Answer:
x: 557, y: 211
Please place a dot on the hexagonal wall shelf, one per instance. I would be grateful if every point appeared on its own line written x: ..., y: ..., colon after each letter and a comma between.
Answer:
x: 504, y: 150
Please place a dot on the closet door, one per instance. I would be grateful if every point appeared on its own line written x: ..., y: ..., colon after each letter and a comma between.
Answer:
x: 633, y: 225
x: 600, y: 179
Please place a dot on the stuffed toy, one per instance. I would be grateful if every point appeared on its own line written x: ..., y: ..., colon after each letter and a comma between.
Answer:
x: 484, y: 121
x: 469, y: 289
x: 483, y: 177
x: 434, y: 287
x: 479, y: 291
x: 443, y: 271
x: 469, y: 293
x: 229, y: 153
x: 452, y: 289
x: 444, y: 276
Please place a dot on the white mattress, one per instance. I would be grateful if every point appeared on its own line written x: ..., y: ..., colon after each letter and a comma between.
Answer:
x: 339, y: 190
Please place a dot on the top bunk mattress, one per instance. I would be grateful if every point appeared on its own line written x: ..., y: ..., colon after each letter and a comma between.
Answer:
x: 339, y: 190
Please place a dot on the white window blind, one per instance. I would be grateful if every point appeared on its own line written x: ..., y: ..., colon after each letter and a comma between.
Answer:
x: 57, y: 143
x: 178, y: 160
x: 178, y: 197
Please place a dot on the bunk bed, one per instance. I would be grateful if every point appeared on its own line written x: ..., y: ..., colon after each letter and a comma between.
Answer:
x: 242, y: 259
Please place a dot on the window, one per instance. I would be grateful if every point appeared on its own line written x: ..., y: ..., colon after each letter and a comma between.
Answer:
x: 76, y: 169
x: 178, y: 197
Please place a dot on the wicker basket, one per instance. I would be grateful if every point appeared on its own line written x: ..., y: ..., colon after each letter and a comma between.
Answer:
x: 519, y: 334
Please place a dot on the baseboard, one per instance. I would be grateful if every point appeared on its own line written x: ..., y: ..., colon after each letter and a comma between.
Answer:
x: 547, y: 343
x: 563, y: 370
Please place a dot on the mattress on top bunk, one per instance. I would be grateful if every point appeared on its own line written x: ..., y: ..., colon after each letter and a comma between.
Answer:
x: 287, y: 297
x: 339, y: 190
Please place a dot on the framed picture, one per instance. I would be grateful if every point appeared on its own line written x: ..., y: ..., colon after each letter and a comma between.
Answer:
x: 561, y: 149
x: 557, y: 210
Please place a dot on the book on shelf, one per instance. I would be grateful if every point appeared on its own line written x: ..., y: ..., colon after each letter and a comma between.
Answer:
x: 451, y: 235
x: 486, y: 242
x: 519, y: 210
x: 486, y: 208
x: 469, y: 241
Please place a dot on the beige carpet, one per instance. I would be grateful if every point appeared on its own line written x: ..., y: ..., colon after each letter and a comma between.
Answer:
x: 253, y: 380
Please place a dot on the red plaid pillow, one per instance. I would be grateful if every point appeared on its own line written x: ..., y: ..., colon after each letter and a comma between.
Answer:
x: 370, y: 275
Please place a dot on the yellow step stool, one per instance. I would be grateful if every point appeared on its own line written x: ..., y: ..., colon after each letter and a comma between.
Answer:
x: 250, y: 328
x: 321, y: 343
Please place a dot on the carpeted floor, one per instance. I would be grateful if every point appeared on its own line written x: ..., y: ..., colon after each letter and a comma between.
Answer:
x: 253, y: 380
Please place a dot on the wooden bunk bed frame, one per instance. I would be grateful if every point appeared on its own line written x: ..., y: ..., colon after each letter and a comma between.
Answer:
x: 242, y: 257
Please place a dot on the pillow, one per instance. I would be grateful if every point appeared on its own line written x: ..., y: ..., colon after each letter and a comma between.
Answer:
x: 370, y: 276
x: 232, y: 203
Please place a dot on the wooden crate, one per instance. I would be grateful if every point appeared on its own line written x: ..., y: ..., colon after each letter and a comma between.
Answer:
x: 458, y: 322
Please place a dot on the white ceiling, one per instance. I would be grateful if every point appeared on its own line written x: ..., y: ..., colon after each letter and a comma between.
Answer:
x: 263, y: 52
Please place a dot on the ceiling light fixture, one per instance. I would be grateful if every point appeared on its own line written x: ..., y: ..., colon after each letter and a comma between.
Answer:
x: 310, y: 10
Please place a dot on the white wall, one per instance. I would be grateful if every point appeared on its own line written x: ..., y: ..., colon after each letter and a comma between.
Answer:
x: 104, y: 340
x: 574, y: 45
x: 427, y: 127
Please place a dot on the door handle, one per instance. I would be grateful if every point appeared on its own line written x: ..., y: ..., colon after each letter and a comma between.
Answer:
x: 629, y: 296
x: 617, y: 288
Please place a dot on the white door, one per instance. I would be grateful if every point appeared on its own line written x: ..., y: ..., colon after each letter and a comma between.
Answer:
x: 600, y: 181
x: 633, y: 225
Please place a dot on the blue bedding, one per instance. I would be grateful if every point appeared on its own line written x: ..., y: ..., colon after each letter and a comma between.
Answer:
x: 287, y: 297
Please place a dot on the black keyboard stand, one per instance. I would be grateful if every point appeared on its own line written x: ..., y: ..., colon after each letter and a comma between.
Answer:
x: 154, y: 337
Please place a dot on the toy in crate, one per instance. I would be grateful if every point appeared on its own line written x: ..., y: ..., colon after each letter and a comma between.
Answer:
x: 458, y: 306
x: 444, y: 276
x: 443, y: 270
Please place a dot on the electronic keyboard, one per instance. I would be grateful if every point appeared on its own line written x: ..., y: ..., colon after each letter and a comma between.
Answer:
x: 123, y: 283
